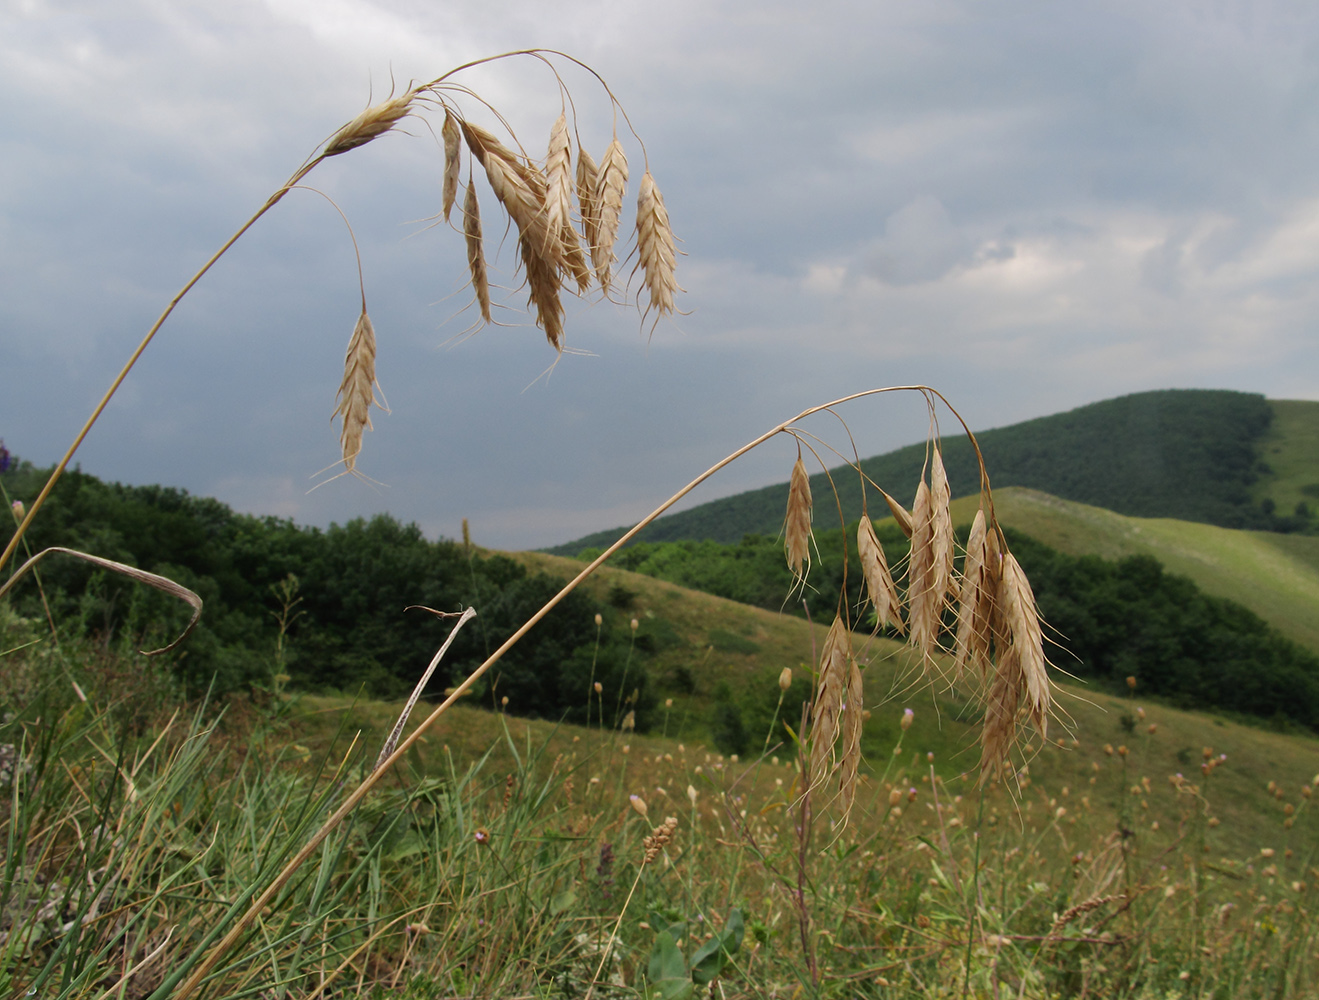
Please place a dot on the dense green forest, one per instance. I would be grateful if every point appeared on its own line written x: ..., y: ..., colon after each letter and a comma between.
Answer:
x: 347, y: 631
x: 1190, y: 454
x: 1107, y: 619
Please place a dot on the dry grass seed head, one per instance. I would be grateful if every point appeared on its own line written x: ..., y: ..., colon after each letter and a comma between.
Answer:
x: 357, y: 390
x: 558, y: 179
x: 853, y: 707
x: 900, y: 514
x: 611, y: 186
x: 587, y: 197
x: 922, y: 598
x: 543, y: 281
x: 979, y: 582
x: 1000, y: 725
x: 1027, y: 639
x: 656, y: 255
x: 374, y: 121
x: 475, y: 251
x: 797, y: 522
x: 880, y: 587
x: 524, y: 207
x: 452, y: 137
x: 830, y: 697
x: 574, y: 258
x: 941, y: 530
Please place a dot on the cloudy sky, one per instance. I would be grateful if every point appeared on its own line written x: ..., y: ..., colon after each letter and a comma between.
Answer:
x: 1028, y: 205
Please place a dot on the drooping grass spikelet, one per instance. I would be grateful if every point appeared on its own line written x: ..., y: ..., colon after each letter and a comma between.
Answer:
x: 611, y: 186
x: 797, y: 523
x: 922, y: 598
x: 941, y: 531
x: 374, y: 121
x: 1000, y: 726
x: 573, y: 257
x: 452, y: 137
x: 357, y: 390
x: 558, y: 179
x: 1022, y: 619
x: 476, y: 251
x: 830, y: 696
x: 880, y: 588
x: 976, y: 599
x: 656, y: 255
x: 587, y: 197
x: 543, y: 281
x: 853, y: 718
x: 524, y: 208
x: 900, y: 514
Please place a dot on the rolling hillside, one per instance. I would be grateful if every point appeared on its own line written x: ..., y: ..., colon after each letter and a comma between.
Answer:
x: 1212, y: 456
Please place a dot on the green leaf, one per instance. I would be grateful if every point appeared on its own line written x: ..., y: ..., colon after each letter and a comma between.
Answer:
x: 562, y: 902
x: 667, y: 961
x: 713, y: 957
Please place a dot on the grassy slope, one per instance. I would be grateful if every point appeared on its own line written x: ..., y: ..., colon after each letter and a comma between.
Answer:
x: 1276, y: 576
x: 945, y: 726
x: 1291, y: 449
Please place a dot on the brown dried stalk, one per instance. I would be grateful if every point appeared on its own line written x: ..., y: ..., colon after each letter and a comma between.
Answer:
x: 453, y: 138
x: 610, y: 188
x: 656, y: 255
x: 880, y: 588
x: 797, y: 523
x: 357, y: 390
x: 475, y: 252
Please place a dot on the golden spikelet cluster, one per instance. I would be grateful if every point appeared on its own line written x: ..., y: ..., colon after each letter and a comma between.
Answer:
x: 797, y: 523
x: 373, y: 122
x: 880, y: 588
x: 657, y: 839
x: 656, y: 255
x: 836, y: 711
x: 357, y: 390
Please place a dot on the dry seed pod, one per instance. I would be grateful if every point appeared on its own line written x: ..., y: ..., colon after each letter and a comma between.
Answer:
x: 941, y: 531
x: 880, y: 588
x: 1017, y: 600
x: 357, y: 390
x: 979, y: 583
x: 853, y: 717
x: 476, y: 252
x: 655, y: 250
x: 524, y: 207
x: 1000, y: 725
x: 587, y: 183
x: 483, y: 144
x: 797, y: 522
x: 452, y: 137
x: 922, y: 599
x: 374, y: 121
x: 610, y: 187
x: 900, y: 514
x: 830, y: 697
x: 573, y: 257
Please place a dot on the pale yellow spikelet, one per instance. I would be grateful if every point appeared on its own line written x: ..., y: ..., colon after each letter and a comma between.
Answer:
x: 941, y: 530
x: 880, y: 588
x: 524, y: 208
x: 922, y: 599
x: 900, y: 514
x: 1000, y: 725
x: 476, y: 251
x: 483, y: 143
x: 357, y: 390
x: 452, y: 137
x: 543, y: 281
x: 797, y: 522
x: 656, y: 255
x: 830, y: 697
x: 371, y: 123
x: 611, y: 186
x: 558, y: 180
x: 573, y: 257
x: 1027, y: 639
x: 979, y: 583
x: 853, y: 718
x: 587, y: 197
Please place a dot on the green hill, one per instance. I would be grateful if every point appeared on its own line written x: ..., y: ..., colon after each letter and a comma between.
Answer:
x: 1216, y: 457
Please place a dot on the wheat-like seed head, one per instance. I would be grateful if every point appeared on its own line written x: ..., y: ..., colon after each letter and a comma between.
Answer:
x: 573, y: 257
x: 374, y: 121
x: 475, y: 251
x: 900, y: 514
x: 524, y: 208
x: 979, y: 583
x: 830, y: 697
x: 587, y: 197
x: 611, y: 185
x: 357, y: 390
x: 853, y: 717
x: 880, y: 587
x: 1027, y: 638
x: 941, y: 530
x: 452, y: 137
x: 483, y: 143
x: 558, y: 180
x: 797, y: 522
x: 543, y: 281
x: 656, y: 255
x: 1000, y: 725
x: 922, y: 597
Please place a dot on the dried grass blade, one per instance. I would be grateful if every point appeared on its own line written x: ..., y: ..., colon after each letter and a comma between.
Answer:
x: 880, y: 588
x: 610, y: 190
x: 452, y: 137
x: 476, y: 264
